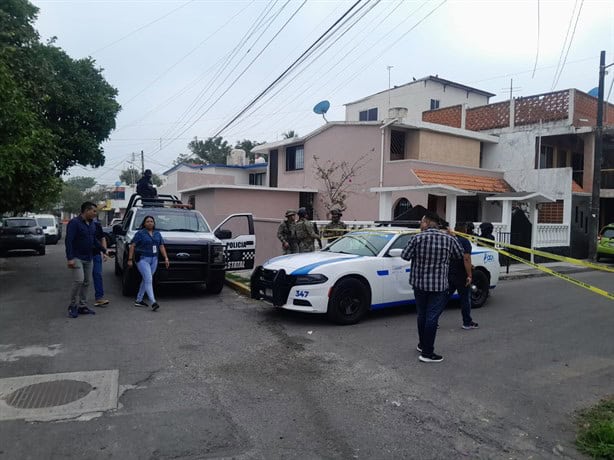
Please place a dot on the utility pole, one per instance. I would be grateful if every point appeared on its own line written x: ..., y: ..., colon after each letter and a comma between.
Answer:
x: 142, y: 163
x: 593, y: 228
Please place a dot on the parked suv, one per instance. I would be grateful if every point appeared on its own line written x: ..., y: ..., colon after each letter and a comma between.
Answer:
x: 51, y: 227
x: 197, y: 254
x: 605, y: 243
x: 21, y: 233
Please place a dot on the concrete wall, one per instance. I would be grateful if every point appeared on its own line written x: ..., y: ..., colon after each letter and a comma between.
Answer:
x: 450, y: 150
x: 416, y: 97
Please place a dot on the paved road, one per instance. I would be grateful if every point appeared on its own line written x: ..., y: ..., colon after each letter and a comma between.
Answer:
x: 224, y: 377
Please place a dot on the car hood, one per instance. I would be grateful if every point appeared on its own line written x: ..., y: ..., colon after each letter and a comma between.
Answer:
x: 302, y: 264
x: 189, y: 238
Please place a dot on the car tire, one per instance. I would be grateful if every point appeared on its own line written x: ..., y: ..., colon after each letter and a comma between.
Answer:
x: 129, y: 282
x: 215, y: 282
x: 597, y: 257
x: 349, y: 302
x: 42, y: 250
x: 55, y: 240
x: 480, y: 294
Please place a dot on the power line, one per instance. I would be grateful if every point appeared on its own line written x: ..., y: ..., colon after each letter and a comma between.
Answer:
x: 142, y: 27
x: 556, y: 80
x: 537, y: 52
x: 288, y: 69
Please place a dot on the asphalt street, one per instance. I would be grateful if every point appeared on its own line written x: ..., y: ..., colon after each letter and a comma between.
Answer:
x: 226, y: 377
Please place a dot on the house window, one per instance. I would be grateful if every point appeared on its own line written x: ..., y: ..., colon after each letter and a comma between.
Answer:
x: 256, y: 179
x: 561, y: 159
x: 294, y: 158
x: 397, y: 145
x: 368, y: 115
x: 546, y: 157
x: 434, y: 104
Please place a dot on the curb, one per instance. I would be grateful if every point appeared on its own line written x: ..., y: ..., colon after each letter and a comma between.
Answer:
x: 539, y: 274
x: 238, y: 287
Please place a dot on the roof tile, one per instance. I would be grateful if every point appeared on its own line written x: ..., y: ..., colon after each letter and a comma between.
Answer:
x: 463, y: 181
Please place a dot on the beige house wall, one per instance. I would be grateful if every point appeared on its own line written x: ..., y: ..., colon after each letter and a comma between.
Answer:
x: 449, y: 150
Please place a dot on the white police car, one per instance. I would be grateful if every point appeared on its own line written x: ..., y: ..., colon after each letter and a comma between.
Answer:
x: 360, y: 271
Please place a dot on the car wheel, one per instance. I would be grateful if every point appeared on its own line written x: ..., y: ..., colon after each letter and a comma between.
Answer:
x: 349, y: 302
x: 597, y: 257
x: 55, y: 240
x: 215, y: 282
x: 482, y: 289
x: 42, y: 250
x: 129, y: 282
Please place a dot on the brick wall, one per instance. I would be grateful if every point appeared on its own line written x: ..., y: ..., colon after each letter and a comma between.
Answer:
x: 551, y: 213
x: 585, y: 107
x: 545, y: 107
x: 489, y: 116
x: 449, y: 116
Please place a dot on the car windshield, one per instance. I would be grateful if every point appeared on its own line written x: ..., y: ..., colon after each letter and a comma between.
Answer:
x: 362, y: 243
x: 20, y: 223
x: 188, y: 221
x: 608, y: 233
x: 45, y: 221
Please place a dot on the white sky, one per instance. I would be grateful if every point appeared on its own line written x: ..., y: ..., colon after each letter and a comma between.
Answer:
x: 168, y: 66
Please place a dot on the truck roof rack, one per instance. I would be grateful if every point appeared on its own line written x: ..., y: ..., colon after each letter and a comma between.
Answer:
x: 160, y: 201
x: 398, y: 223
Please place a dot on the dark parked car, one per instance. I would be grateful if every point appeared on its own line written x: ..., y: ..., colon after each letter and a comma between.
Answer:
x: 21, y: 233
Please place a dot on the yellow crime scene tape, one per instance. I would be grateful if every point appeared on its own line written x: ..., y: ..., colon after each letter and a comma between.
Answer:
x: 492, y: 244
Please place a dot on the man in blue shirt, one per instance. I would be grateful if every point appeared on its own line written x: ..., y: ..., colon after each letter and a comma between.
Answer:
x: 430, y: 252
x: 80, y: 244
x: 460, y: 277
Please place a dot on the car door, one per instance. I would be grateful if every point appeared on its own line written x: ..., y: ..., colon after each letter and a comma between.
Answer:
x: 237, y: 234
x: 393, y: 273
x: 121, y: 243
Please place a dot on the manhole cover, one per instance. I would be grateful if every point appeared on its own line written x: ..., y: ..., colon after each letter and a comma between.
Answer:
x: 48, y: 394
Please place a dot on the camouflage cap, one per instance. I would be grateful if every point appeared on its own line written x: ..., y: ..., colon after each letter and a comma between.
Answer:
x: 290, y: 212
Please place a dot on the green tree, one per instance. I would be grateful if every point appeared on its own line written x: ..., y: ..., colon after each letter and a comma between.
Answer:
x: 290, y: 134
x: 131, y: 176
x: 71, y: 199
x: 213, y: 150
x: 57, y: 112
x: 80, y: 182
x: 248, y: 145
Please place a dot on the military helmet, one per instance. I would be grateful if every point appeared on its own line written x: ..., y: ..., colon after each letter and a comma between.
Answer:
x: 302, y: 212
x: 336, y: 212
x: 290, y: 212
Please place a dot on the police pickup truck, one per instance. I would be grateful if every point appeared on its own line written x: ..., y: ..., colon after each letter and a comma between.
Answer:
x: 197, y: 253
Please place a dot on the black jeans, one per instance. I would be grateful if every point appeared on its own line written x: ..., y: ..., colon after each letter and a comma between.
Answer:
x: 429, y: 306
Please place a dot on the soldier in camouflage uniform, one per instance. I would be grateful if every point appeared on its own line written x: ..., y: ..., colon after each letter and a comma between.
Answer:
x: 305, y: 233
x: 286, y: 233
x: 335, y: 228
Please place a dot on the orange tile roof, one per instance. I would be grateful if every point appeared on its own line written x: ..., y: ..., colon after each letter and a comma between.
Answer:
x: 463, y: 181
x: 575, y: 187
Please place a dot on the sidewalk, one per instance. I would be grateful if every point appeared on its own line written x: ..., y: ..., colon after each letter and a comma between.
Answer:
x: 520, y: 270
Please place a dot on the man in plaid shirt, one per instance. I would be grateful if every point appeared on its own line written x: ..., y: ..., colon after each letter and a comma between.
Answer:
x: 430, y: 252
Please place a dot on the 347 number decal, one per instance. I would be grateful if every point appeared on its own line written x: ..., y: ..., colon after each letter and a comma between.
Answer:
x: 301, y: 294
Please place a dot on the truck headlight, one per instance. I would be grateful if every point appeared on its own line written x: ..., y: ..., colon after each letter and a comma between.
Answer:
x: 310, y: 279
x: 217, y: 254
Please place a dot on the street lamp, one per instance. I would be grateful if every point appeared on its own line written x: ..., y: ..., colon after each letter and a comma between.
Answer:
x: 596, y: 192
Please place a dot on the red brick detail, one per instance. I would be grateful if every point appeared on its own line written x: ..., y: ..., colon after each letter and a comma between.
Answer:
x: 551, y: 213
x: 575, y: 187
x: 545, y: 107
x: 463, y: 181
x: 585, y: 108
x: 449, y: 116
x: 489, y: 116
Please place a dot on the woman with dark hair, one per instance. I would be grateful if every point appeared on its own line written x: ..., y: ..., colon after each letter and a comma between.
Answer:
x: 146, y: 244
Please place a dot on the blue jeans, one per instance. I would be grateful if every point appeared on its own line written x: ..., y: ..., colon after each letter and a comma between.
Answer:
x: 464, y: 295
x: 97, y: 276
x: 147, y: 267
x: 429, y: 306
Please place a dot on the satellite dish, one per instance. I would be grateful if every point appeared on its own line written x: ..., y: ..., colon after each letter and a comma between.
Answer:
x: 321, y: 108
x: 118, y: 183
x: 593, y: 92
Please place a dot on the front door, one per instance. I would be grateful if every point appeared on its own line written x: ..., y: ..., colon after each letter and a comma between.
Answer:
x: 237, y: 234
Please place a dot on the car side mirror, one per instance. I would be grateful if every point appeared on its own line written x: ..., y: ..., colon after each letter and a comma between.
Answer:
x: 118, y: 229
x: 395, y: 252
x: 223, y: 234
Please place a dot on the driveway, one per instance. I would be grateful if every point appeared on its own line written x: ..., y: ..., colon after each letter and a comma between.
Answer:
x: 226, y: 377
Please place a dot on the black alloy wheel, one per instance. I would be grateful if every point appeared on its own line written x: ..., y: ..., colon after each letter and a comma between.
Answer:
x: 349, y: 302
x: 479, y: 295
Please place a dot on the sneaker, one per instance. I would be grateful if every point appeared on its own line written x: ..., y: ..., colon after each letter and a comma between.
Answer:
x: 155, y: 306
x: 141, y: 303
x: 101, y: 303
x: 432, y: 358
x: 419, y: 348
x: 86, y: 311
x: 73, y: 311
x: 471, y: 325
